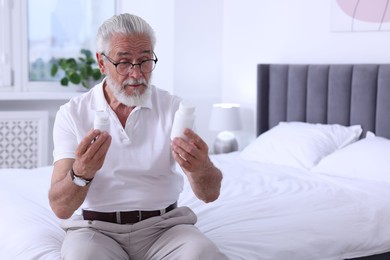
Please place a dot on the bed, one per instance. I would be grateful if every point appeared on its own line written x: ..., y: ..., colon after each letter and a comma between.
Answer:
x: 315, y: 184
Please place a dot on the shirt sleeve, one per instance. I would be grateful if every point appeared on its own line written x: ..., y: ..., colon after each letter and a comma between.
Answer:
x: 64, y: 136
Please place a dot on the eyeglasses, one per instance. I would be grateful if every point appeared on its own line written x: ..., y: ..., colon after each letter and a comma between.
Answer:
x: 124, y: 68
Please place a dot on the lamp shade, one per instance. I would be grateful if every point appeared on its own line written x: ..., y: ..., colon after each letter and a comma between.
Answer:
x: 225, y: 117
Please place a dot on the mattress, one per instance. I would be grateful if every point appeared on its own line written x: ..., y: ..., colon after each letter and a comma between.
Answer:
x: 265, y: 211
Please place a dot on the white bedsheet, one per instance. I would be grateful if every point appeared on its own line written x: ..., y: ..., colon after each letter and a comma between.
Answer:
x: 264, y: 212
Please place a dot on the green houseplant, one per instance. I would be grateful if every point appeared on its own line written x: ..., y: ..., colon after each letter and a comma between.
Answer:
x: 82, y: 70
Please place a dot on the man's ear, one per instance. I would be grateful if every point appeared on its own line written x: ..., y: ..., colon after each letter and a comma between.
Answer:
x: 99, y: 59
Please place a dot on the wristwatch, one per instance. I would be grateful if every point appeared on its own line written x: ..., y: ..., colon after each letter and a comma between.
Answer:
x: 79, y: 181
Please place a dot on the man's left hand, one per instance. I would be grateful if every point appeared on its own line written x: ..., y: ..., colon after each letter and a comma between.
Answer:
x: 191, y: 153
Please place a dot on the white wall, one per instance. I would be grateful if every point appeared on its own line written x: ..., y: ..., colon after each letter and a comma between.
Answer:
x: 208, y: 50
x: 198, y: 57
x: 217, y: 45
x: 286, y: 31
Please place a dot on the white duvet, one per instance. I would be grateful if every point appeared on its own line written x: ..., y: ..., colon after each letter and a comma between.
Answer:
x: 264, y: 211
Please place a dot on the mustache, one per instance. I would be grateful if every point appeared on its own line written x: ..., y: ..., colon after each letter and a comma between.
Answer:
x: 140, y: 81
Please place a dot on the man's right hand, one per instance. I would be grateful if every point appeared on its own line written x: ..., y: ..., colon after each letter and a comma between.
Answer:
x: 90, y: 153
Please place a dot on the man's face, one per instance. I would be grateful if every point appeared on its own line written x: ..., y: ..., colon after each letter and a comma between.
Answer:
x: 128, y: 86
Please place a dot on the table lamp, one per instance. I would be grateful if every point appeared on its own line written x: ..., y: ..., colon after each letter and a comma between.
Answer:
x: 225, y: 117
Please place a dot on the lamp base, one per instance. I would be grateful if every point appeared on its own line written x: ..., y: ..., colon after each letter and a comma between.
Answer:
x: 226, y: 142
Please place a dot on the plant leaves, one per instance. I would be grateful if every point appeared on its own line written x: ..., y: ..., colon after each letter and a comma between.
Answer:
x: 75, y: 78
x: 71, y: 63
x: 64, y: 81
x: 85, y: 84
x: 96, y: 75
x: 86, y: 52
x: 77, y: 70
x: 54, y: 70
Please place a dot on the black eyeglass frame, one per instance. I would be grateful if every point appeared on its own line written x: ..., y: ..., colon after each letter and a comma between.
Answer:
x: 132, y: 65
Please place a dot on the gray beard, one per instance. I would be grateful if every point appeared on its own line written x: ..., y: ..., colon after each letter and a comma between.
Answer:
x: 137, y: 99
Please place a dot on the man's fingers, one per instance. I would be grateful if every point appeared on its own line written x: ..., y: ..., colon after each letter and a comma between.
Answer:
x: 93, y: 158
x: 195, y: 139
x: 86, y: 141
x: 102, y: 151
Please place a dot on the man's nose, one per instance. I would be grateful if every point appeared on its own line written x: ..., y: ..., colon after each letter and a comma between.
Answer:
x: 135, y: 71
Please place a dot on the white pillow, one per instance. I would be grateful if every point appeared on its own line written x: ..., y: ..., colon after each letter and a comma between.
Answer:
x: 28, y: 227
x: 367, y: 159
x: 298, y: 144
x: 370, y: 134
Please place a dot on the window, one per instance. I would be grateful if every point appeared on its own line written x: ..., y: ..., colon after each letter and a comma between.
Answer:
x: 5, y: 43
x: 40, y: 30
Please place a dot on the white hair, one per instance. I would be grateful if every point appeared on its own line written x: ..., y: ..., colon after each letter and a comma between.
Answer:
x: 126, y: 24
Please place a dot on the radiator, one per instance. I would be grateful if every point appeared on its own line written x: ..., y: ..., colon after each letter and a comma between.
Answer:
x: 23, y: 139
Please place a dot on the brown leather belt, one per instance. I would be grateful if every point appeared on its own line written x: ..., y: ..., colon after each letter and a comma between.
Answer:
x: 125, y: 217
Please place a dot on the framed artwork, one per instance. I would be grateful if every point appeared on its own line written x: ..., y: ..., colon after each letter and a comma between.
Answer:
x: 360, y: 15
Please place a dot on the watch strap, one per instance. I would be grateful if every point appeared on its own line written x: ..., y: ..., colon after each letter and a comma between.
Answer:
x: 74, y: 176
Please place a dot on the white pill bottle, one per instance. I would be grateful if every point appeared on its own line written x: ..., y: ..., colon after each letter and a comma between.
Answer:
x: 184, y: 118
x: 102, y: 121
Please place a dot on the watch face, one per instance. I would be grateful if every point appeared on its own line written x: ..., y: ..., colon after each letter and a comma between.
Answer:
x: 79, y: 182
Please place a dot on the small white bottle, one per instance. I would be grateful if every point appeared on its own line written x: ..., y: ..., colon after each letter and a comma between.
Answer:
x: 102, y: 121
x: 184, y: 118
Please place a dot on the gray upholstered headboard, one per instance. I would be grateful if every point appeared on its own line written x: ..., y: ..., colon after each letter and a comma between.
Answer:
x: 345, y: 94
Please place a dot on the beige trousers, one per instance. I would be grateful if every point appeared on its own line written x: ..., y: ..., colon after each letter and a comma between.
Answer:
x: 170, y: 236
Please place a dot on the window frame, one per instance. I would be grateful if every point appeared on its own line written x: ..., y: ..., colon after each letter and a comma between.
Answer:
x: 16, y: 50
x: 6, y: 78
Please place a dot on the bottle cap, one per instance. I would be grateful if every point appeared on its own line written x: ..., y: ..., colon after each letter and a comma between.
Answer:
x: 101, y: 117
x: 186, y: 108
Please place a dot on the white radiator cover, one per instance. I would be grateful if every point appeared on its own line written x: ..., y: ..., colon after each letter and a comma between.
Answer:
x: 23, y: 139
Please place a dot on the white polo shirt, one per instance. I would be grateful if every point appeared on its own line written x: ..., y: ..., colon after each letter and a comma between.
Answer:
x: 139, y: 171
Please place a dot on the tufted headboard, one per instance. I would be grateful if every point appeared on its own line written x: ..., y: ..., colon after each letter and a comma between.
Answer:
x: 345, y: 94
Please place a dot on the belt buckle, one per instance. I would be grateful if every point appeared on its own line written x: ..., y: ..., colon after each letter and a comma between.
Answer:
x: 139, y: 215
x: 118, y: 217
